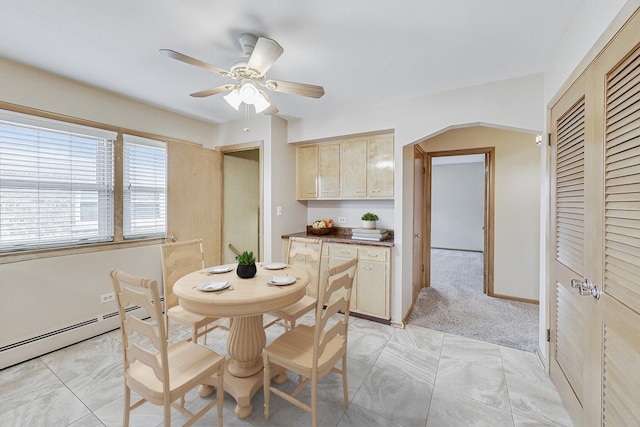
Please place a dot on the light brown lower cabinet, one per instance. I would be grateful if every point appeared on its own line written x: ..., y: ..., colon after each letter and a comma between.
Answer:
x: 372, y: 285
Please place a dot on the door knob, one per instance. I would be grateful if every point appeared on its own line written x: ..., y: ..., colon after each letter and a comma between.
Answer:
x: 586, y: 288
x: 417, y: 236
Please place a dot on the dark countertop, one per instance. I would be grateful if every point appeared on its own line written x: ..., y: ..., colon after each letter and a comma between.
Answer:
x: 343, y: 236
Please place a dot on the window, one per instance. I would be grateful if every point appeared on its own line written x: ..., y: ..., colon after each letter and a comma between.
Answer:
x: 56, y: 183
x: 145, y: 187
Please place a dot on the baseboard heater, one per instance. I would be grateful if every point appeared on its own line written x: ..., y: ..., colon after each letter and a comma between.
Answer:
x: 37, y: 345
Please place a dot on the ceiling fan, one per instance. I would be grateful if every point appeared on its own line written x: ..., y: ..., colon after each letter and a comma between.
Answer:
x: 249, y: 72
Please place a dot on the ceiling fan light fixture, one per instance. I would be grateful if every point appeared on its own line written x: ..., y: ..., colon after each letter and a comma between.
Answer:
x: 261, y: 103
x: 233, y: 98
x: 249, y: 93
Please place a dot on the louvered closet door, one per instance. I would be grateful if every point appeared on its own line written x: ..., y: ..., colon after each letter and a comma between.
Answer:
x: 619, y: 306
x: 569, y: 219
x: 595, y: 345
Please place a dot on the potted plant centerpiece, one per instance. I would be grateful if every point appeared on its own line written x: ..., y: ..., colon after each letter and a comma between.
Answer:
x: 369, y: 220
x: 246, y: 265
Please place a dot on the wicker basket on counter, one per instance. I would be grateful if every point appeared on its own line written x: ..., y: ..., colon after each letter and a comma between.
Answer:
x: 319, y: 231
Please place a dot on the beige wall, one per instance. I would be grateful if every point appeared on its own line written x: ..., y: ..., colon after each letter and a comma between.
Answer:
x: 517, y: 203
x: 278, y: 178
x: 39, y: 296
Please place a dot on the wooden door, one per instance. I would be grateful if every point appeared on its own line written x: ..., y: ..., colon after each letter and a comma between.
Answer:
x: 417, y: 276
x: 595, y: 337
x: 568, y: 346
x: 617, y: 390
x: 194, y: 196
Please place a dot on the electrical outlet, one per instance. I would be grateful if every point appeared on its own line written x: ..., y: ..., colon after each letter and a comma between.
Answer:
x: 278, y: 210
x: 107, y: 297
x: 342, y: 219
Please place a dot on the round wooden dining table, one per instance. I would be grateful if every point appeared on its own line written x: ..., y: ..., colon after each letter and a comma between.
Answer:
x: 244, y: 302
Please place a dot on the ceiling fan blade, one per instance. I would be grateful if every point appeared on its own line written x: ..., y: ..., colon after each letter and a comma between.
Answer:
x: 271, y: 110
x: 264, y: 54
x: 213, y: 91
x: 303, y: 89
x: 189, y: 60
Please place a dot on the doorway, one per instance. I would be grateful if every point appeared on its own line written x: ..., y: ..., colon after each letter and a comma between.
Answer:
x: 242, y: 201
x: 459, y: 208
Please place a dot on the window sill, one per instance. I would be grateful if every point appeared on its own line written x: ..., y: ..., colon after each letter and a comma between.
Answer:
x: 11, y: 257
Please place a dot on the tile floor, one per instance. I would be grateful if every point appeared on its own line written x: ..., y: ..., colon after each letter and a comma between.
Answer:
x: 397, y: 378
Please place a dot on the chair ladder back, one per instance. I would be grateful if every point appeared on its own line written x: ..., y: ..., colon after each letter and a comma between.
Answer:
x: 132, y: 291
x: 338, y: 278
x: 178, y: 260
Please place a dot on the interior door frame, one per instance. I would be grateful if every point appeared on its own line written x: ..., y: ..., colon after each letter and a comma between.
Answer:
x: 489, y: 206
x: 420, y: 176
x: 234, y: 148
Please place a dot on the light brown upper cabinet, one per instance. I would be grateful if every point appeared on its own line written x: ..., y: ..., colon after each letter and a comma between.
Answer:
x: 307, y: 172
x: 380, y: 167
x: 356, y: 168
x: 329, y: 170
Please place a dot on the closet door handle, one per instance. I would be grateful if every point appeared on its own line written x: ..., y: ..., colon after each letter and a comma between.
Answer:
x: 586, y: 288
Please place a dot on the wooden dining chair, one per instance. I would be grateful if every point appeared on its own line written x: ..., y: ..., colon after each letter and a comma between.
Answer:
x: 160, y: 373
x: 180, y: 259
x: 313, y: 351
x: 304, y: 253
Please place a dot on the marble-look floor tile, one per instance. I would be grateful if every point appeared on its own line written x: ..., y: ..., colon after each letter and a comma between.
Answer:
x: 365, y: 347
x: 257, y: 416
x: 471, y: 350
x: 524, y: 364
x: 473, y: 380
x: 388, y: 380
x: 420, y: 364
x: 20, y: 384
x: 400, y: 398
x: 520, y: 421
x: 51, y: 406
x: 453, y: 410
x: 147, y: 415
x: 331, y: 384
x: 537, y: 401
x: 420, y: 338
x: 289, y: 415
x: 374, y: 328
x: 99, y: 387
x: 87, y: 421
x: 356, y: 416
x: 84, y: 358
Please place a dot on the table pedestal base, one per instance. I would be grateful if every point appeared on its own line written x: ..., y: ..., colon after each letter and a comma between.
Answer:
x: 243, y: 389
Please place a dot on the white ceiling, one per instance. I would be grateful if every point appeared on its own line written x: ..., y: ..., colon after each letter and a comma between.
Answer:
x: 362, y: 51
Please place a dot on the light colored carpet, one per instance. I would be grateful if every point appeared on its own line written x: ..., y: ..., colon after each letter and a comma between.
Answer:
x: 456, y: 304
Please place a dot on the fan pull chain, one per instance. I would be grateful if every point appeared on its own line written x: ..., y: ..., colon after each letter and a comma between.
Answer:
x: 246, y: 118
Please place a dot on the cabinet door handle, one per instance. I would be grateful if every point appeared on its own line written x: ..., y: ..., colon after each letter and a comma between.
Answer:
x: 345, y: 252
x: 365, y: 267
x: 373, y: 255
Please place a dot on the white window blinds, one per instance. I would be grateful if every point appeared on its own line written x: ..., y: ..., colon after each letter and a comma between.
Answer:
x: 56, y: 183
x: 145, y: 187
